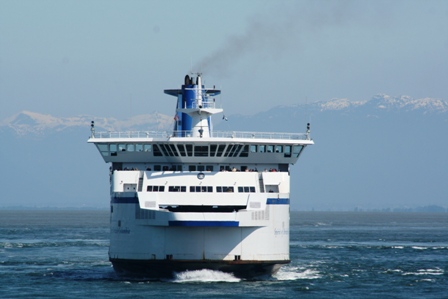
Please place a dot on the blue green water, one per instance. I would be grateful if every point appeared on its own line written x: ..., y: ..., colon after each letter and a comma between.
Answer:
x: 63, y: 254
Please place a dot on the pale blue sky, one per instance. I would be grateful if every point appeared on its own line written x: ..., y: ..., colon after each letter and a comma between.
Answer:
x: 114, y: 58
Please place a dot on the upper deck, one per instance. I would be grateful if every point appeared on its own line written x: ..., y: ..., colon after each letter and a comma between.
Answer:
x: 146, y: 135
x: 222, y: 147
x: 193, y: 140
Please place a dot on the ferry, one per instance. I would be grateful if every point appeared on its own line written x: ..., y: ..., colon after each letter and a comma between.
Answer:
x: 194, y: 198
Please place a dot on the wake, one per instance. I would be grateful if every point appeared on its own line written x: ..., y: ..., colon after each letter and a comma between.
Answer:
x: 204, y: 275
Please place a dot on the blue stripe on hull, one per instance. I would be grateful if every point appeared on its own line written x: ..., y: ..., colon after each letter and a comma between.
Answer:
x: 204, y: 223
x: 277, y: 201
x: 134, y: 200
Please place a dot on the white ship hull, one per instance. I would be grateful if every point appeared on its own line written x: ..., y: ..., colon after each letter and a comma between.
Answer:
x: 190, y: 201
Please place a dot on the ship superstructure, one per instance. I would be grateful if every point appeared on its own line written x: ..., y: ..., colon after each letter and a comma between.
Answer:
x: 197, y: 199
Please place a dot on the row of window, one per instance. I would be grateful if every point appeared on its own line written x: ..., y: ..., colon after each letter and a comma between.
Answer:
x: 177, y: 168
x: 197, y: 168
x: 190, y: 150
x: 219, y: 189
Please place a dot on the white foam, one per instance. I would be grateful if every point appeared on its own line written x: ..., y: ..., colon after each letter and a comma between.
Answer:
x: 296, y: 273
x: 205, y: 275
x: 436, y: 271
x: 419, y: 247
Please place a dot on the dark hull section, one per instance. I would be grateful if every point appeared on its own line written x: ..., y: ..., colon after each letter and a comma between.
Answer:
x: 166, y: 269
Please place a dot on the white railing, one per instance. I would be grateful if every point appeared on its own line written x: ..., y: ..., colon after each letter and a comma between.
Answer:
x: 188, y: 134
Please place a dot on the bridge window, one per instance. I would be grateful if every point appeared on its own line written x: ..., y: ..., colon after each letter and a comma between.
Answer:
x: 279, y: 149
x: 245, y: 151
x: 181, y: 148
x: 221, y: 149
x: 147, y: 147
x: 157, y: 151
x: 104, y: 149
x: 139, y: 147
x: 201, y: 151
x: 253, y: 148
x: 296, y: 149
x: 164, y: 150
x: 213, y: 148
x: 189, y: 148
x: 262, y: 148
x: 173, y: 150
x: 287, y: 151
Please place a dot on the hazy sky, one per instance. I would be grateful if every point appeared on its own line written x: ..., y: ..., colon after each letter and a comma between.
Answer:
x: 114, y: 58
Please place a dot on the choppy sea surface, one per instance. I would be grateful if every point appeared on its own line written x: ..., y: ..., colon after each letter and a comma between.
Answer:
x: 63, y: 254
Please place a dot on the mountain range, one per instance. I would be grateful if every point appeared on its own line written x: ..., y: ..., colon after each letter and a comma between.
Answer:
x: 387, y: 152
x: 27, y: 122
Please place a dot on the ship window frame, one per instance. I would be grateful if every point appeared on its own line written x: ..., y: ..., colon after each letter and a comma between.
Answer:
x: 201, y: 150
x: 237, y: 150
x: 189, y: 149
x: 156, y: 151
x: 103, y: 147
x: 245, y: 151
x: 270, y: 148
x: 213, y: 148
x: 278, y: 148
x: 253, y: 148
x: 221, y: 150
x: 181, y: 149
x: 147, y: 147
x: 262, y: 148
x: 139, y: 147
x: 174, y: 149
x: 295, y: 151
x: 287, y: 151
x: 164, y: 149
x: 191, y: 167
x: 228, y: 150
x: 130, y: 147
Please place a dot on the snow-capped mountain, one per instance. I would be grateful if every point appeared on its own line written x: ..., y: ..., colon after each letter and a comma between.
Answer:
x: 34, y: 123
x: 388, y: 103
x: 27, y: 122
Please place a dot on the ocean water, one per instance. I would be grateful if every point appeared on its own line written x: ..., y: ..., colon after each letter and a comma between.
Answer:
x: 63, y: 254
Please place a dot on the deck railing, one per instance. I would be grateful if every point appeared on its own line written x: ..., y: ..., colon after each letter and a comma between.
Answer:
x: 188, y: 134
